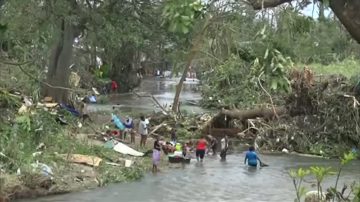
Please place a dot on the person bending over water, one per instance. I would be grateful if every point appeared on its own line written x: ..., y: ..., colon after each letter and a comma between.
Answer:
x: 251, y: 157
x: 200, y: 149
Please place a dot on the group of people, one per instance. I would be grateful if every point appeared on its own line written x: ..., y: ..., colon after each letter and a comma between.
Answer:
x: 202, y: 147
x: 126, y: 126
x: 203, y: 144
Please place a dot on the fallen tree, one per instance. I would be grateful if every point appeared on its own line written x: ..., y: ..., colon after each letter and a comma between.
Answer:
x: 317, y: 118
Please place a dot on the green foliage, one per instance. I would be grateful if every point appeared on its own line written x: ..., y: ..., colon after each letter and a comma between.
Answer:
x: 114, y: 174
x: 348, y: 157
x: 230, y: 83
x: 27, y: 132
x: 183, y: 134
x: 348, y: 67
x: 8, y: 101
x: 297, y: 177
x: 275, y: 67
x: 356, y: 191
x: 180, y: 15
x: 321, y: 172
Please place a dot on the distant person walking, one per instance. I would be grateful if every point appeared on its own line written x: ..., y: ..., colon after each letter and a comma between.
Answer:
x: 201, y: 149
x: 114, y: 86
x: 143, y: 130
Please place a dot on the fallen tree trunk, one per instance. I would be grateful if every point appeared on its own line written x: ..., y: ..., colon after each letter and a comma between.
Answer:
x: 243, y: 115
x: 253, y: 113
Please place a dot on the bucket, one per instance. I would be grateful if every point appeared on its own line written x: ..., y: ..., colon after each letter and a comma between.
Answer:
x: 128, y: 163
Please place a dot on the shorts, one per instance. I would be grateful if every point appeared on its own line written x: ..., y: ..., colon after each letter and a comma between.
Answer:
x: 143, y: 137
x: 200, y: 153
x: 252, y: 163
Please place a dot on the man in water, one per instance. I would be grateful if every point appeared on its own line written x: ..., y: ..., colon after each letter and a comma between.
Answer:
x: 224, y: 147
x: 213, y: 144
x: 143, y: 130
x: 201, y: 148
x: 251, y: 157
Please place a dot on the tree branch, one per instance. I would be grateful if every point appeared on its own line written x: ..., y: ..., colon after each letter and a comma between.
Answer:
x: 268, y: 94
x: 261, y: 4
x: 33, y: 77
x: 154, y: 99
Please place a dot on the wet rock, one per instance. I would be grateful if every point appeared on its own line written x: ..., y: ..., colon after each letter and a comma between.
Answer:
x: 285, y: 151
x: 313, y: 196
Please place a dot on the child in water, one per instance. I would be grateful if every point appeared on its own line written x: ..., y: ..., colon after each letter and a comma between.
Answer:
x: 251, y: 157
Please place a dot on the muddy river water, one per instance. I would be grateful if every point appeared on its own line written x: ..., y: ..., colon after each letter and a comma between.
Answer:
x: 211, y: 181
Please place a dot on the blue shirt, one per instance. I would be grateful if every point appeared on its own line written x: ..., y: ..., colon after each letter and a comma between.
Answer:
x: 129, y: 123
x: 251, y: 158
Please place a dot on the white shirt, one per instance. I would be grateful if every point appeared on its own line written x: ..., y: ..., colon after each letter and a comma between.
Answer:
x: 224, y: 144
x: 143, y: 128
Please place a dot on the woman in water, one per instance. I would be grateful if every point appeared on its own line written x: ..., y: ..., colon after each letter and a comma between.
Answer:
x: 156, y: 155
x: 251, y: 157
x: 201, y: 148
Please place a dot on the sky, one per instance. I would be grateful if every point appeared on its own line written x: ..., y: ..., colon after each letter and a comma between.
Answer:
x: 313, y: 11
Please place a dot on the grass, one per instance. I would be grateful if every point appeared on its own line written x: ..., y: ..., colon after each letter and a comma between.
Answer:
x: 349, y: 67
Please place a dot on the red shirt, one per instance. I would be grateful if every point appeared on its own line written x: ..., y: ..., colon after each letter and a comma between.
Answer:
x: 114, y: 85
x: 201, y: 145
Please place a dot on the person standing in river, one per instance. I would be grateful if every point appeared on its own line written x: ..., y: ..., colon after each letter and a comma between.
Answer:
x: 224, y: 147
x: 201, y: 149
x: 156, y: 155
x: 143, y: 130
x: 251, y: 158
x: 213, y: 144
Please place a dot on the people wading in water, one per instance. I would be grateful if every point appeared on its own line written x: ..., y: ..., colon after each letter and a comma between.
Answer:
x: 251, y: 158
x: 201, y: 149
x: 224, y: 147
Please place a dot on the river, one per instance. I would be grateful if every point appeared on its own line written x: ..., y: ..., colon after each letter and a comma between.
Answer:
x: 211, y: 181
x: 214, y: 181
x: 162, y: 89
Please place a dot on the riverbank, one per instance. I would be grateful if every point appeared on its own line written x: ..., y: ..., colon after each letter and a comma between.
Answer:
x: 46, y: 150
x: 67, y: 176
